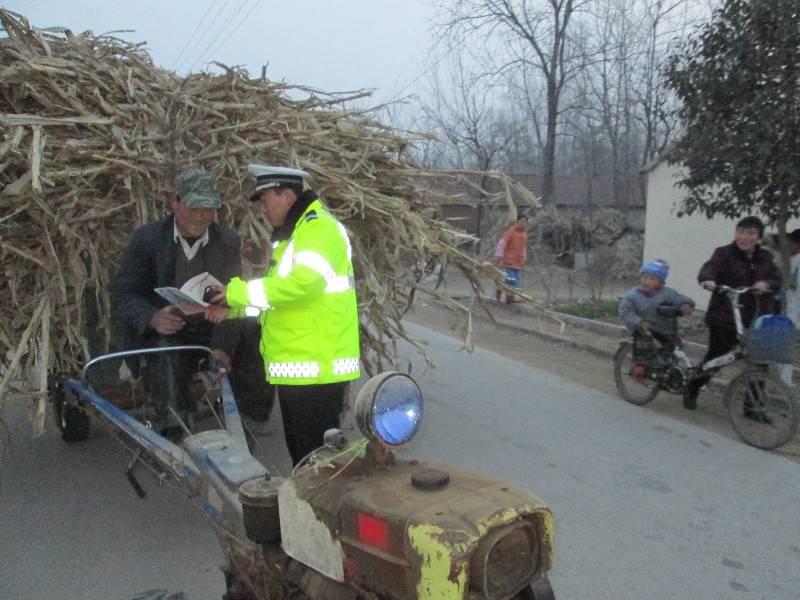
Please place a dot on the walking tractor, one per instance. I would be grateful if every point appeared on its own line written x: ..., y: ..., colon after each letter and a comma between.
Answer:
x: 351, y: 522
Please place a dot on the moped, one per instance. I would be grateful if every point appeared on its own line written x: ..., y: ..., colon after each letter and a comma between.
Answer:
x: 762, y: 408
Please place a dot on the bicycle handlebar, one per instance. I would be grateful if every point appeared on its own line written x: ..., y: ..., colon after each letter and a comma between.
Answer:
x: 735, y: 291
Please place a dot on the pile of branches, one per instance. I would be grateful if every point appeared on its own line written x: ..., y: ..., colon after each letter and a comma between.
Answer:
x: 562, y: 234
x: 92, y: 134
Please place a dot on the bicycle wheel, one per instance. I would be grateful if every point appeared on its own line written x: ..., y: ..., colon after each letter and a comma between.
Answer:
x: 636, y: 390
x: 763, y: 409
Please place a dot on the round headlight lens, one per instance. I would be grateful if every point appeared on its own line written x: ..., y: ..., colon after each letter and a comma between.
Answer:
x: 389, y: 409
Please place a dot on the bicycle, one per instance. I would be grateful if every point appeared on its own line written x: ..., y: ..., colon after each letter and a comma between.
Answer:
x: 761, y: 407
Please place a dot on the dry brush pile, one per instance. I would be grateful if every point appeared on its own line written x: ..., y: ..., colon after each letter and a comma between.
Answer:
x: 92, y: 134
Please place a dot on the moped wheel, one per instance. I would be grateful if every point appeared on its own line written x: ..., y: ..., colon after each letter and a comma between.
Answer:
x: 762, y: 408
x: 636, y: 390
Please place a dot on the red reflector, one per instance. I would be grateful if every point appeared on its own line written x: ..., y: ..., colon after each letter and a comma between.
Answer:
x: 373, y: 531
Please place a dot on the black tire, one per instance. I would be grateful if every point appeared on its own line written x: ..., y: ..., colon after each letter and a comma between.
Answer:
x: 232, y: 587
x: 638, y: 392
x: 237, y: 590
x: 71, y: 420
x: 537, y: 590
x: 762, y: 408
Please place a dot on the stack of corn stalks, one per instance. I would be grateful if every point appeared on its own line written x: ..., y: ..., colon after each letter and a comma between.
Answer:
x: 92, y: 134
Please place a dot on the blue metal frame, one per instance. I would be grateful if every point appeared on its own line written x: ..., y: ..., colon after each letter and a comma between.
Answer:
x: 211, y: 465
x: 170, y: 455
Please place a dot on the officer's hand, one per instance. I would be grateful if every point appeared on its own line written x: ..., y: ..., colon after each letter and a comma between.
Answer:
x: 687, y: 309
x: 709, y: 285
x: 166, y: 321
x: 216, y: 313
x: 645, y: 326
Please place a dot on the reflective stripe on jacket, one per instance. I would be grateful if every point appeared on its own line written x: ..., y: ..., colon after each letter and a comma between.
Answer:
x: 307, y: 303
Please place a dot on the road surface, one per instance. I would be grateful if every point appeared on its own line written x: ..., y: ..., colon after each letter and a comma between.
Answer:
x: 646, y: 507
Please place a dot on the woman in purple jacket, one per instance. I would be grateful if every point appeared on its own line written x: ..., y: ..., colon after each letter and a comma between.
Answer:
x: 739, y: 264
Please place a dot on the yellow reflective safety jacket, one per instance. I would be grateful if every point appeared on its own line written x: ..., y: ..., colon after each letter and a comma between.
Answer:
x: 307, y: 304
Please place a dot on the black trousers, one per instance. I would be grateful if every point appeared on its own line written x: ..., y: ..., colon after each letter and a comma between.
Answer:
x: 254, y: 394
x: 308, y: 411
x: 169, y: 373
x: 721, y: 340
x: 646, y: 346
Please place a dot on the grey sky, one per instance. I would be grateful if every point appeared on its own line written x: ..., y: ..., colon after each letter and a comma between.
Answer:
x: 333, y: 46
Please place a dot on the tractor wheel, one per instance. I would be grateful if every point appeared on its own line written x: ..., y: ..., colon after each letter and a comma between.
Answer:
x: 71, y: 420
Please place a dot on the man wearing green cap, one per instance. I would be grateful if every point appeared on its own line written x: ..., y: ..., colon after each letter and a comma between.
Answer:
x: 167, y: 253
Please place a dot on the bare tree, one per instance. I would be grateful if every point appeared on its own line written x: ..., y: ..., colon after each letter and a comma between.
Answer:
x: 603, y: 95
x: 546, y: 86
x: 533, y: 34
x: 664, y: 22
x: 620, y: 117
x: 467, y: 113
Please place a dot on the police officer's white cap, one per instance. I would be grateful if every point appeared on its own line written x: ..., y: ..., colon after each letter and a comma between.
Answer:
x: 268, y: 177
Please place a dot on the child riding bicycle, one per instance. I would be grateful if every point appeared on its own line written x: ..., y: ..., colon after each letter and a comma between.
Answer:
x: 639, y: 309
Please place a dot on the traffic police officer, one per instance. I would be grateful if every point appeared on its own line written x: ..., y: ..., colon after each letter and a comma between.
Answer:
x: 307, y: 306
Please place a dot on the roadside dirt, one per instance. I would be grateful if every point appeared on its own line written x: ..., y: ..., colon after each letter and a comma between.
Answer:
x: 592, y: 368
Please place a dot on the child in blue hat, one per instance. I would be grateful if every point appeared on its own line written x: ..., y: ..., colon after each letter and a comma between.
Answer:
x: 639, y: 310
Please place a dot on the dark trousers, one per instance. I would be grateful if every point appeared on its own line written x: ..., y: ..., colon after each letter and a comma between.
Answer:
x: 169, y: 373
x: 645, y: 346
x: 721, y: 340
x: 308, y: 411
x: 254, y: 394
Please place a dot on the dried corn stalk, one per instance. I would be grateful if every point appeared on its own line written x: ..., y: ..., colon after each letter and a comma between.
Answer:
x: 91, y: 137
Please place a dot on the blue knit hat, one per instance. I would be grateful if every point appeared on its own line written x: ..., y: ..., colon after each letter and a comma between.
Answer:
x: 658, y: 267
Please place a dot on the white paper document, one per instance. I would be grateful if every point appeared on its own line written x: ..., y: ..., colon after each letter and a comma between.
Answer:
x: 189, y: 298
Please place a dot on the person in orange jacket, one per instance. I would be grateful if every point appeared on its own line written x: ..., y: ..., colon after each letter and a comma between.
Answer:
x: 512, y: 254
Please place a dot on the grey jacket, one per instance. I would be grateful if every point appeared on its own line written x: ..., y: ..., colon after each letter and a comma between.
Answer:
x: 637, y: 307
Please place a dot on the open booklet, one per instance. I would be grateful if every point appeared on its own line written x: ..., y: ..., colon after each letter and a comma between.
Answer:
x: 189, y: 298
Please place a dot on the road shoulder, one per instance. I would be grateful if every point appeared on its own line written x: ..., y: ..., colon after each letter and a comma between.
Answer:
x: 574, y: 358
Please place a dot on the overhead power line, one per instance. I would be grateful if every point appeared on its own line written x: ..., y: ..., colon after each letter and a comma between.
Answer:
x: 196, y: 29
x: 424, y: 72
x: 204, y: 54
x: 214, y: 20
x: 233, y: 31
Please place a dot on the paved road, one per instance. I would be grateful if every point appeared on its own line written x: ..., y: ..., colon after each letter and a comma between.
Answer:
x: 646, y: 507
x: 71, y: 527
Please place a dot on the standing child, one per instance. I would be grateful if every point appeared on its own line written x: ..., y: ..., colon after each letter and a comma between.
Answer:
x: 511, y: 255
x: 639, y: 309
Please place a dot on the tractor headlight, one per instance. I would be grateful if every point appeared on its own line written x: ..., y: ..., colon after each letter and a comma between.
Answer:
x: 389, y: 409
x: 505, y: 561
